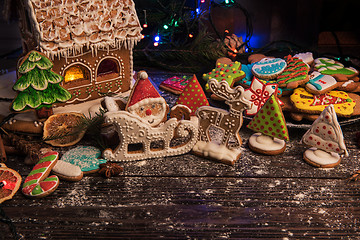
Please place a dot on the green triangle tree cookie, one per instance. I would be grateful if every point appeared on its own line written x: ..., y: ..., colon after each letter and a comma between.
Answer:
x: 38, y: 86
x: 193, y: 96
x: 270, y: 120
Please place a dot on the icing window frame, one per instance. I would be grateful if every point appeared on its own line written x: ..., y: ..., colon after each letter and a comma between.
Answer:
x: 78, y: 82
x: 115, y: 73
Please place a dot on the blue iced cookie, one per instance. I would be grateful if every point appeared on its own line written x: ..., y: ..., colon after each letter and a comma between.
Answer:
x: 86, y: 157
x: 268, y: 68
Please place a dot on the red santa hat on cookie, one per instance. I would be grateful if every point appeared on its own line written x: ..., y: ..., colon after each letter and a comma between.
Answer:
x: 143, y: 93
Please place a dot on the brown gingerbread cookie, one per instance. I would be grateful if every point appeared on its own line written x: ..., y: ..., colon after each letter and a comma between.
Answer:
x: 180, y: 112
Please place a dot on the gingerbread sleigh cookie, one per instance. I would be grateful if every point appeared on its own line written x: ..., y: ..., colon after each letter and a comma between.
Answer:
x: 138, y: 140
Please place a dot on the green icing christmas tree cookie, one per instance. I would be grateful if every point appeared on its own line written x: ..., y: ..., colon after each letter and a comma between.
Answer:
x: 270, y: 120
x: 38, y: 85
x: 230, y: 73
x: 193, y: 96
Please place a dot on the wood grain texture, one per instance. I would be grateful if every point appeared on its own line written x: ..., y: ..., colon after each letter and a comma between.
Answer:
x: 187, y: 197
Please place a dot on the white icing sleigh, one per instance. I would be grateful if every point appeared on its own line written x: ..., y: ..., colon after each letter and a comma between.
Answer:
x: 133, y: 132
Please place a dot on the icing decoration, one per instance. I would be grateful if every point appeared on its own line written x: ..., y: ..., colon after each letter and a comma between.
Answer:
x: 225, y: 72
x: 307, y: 57
x: 270, y: 120
x: 258, y: 94
x: 266, y: 143
x: 325, y: 133
x: 296, y: 70
x: 146, y: 102
x: 177, y: 84
x: 38, y: 85
x: 217, y: 152
x: 133, y: 131
x: 10, y: 181
x: 67, y: 170
x: 331, y: 67
x: 246, y: 68
x: 319, y: 82
x: 85, y: 157
x: 193, y: 96
x: 321, y: 158
x: 230, y: 122
x: 307, y: 102
x: 71, y: 27
x: 268, y: 67
x: 248, y: 83
x: 37, y: 183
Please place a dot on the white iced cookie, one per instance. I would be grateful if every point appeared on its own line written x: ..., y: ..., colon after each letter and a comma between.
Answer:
x: 266, y: 145
x: 307, y: 57
x: 67, y: 171
x: 319, y: 158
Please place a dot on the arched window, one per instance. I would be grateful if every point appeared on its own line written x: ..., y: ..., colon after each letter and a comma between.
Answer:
x: 78, y: 74
x: 108, y: 69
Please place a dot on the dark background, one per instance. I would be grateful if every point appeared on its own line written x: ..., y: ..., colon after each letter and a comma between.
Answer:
x: 326, y: 26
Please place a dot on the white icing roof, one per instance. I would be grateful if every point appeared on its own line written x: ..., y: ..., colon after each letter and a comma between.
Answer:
x: 64, y: 27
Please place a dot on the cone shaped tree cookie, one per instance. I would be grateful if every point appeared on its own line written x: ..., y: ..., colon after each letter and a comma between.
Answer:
x: 193, y: 96
x: 326, y: 139
x: 270, y: 125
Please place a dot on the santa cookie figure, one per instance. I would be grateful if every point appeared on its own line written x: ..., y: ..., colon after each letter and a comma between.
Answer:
x: 146, y: 102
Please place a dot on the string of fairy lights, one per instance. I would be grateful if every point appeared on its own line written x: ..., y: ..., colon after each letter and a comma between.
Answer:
x: 180, y: 22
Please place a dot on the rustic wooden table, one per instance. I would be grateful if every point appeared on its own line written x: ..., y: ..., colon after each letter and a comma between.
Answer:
x: 187, y: 197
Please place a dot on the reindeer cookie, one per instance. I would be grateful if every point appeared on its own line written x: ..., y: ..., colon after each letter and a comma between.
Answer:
x: 223, y: 145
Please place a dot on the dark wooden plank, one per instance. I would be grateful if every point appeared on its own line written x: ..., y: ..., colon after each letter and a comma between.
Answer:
x: 190, y: 207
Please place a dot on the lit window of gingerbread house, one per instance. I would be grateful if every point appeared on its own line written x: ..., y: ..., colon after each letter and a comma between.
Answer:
x: 89, y: 41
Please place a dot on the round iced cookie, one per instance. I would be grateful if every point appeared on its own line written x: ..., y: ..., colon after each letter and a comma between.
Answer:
x: 266, y: 145
x: 86, y: 157
x: 268, y: 68
x: 321, y: 159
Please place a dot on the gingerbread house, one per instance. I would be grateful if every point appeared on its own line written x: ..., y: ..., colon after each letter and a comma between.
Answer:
x: 89, y: 41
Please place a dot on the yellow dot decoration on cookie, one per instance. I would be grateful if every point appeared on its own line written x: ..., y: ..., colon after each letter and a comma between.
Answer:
x: 197, y: 98
x: 270, y: 121
x: 306, y: 102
